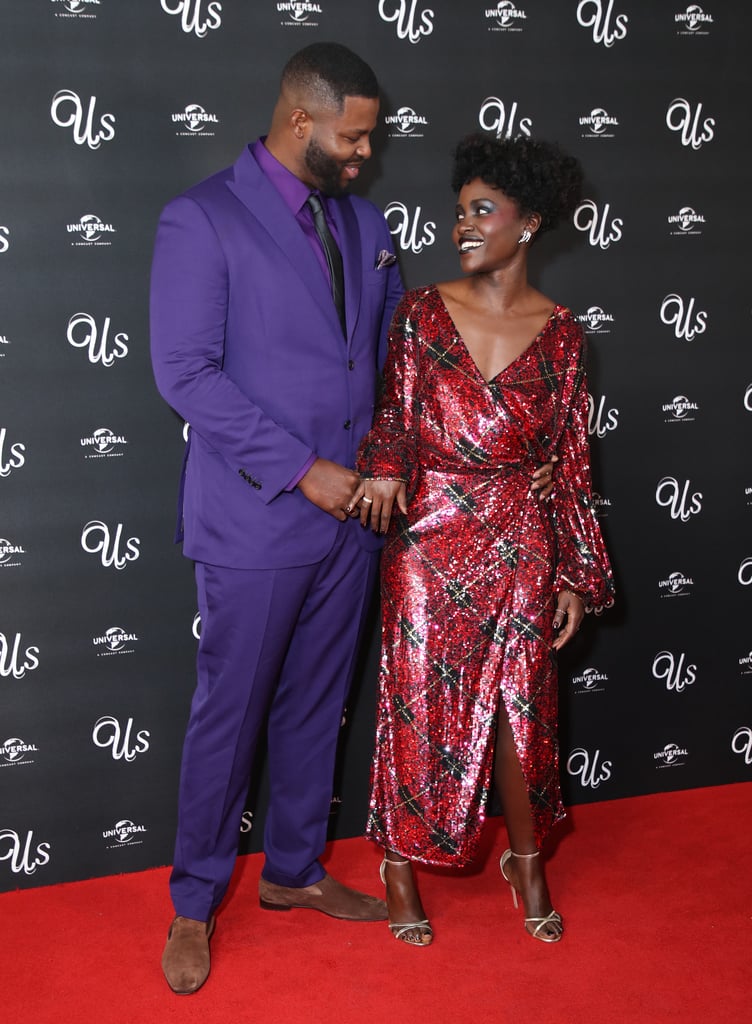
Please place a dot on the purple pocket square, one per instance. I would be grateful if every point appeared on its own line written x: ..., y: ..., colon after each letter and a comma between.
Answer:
x: 385, y: 259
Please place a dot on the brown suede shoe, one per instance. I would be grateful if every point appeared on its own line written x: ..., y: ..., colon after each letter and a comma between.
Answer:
x: 329, y: 896
x: 185, y: 960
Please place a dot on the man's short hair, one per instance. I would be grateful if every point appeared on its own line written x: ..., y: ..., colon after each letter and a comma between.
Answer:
x: 328, y: 73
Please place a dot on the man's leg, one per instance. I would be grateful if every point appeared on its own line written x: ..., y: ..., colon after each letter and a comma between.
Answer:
x: 306, y: 715
x: 247, y: 619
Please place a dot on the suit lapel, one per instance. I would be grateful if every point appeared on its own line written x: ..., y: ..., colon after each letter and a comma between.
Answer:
x: 251, y: 186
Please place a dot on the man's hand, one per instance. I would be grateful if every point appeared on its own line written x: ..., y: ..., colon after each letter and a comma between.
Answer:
x: 333, y: 488
x: 377, y: 503
x: 543, y: 478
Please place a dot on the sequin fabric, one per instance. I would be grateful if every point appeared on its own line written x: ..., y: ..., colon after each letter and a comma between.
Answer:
x: 469, y: 576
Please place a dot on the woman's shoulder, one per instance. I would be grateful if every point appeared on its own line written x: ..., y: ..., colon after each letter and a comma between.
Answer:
x: 417, y: 300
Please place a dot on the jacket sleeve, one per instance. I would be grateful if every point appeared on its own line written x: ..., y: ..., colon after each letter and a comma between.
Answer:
x: 188, y: 310
x: 583, y: 563
x: 388, y: 451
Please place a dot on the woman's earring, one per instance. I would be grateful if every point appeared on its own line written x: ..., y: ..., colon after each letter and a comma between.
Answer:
x: 525, y: 236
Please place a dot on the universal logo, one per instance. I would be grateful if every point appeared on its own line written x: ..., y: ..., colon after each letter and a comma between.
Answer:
x: 672, y: 756
x: 682, y: 117
x: 601, y: 505
x: 67, y: 111
x: 196, y: 16
x: 599, y: 15
x: 679, y: 313
x: 410, y: 18
x: 412, y: 233
x: 124, y: 833
x: 114, y: 640
x: 692, y: 22
x: 101, y: 444
x: 194, y: 120
x: 83, y: 332
x: 300, y: 11
x: 667, y: 666
x: 98, y: 539
x: 76, y: 8
x: 404, y: 124
x: 676, y: 584
x: 602, y: 230
x: 590, y: 681
x: 589, y: 768
x: 15, y: 751
x: 686, y: 222
x: 494, y: 117
x: 506, y: 17
x: 124, y: 745
x: 679, y: 409
x: 595, y: 320
x: 90, y: 229
x: 599, y: 124
x: 9, y: 554
x: 745, y: 664
x: 20, y: 852
x: 15, y: 662
x: 15, y: 458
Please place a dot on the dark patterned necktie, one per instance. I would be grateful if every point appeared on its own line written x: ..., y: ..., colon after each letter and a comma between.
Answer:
x: 333, y: 256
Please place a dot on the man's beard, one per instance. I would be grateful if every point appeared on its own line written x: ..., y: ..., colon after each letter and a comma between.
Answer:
x: 324, y: 170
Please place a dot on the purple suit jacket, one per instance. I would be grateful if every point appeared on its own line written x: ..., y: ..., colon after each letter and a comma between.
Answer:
x: 247, y: 347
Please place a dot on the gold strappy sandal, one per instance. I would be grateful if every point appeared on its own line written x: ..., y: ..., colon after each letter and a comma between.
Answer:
x: 402, y: 931
x: 539, y: 924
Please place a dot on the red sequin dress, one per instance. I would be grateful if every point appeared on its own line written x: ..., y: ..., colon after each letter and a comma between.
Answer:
x: 469, y: 576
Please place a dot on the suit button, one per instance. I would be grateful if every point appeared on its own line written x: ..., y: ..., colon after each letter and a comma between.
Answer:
x: 347, y: 424
x: 350, y: 365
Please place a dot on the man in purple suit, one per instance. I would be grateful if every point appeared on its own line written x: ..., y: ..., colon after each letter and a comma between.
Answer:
x: 269, y: 314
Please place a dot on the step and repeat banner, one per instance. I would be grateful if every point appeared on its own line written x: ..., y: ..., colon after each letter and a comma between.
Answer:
x: 110, y: 109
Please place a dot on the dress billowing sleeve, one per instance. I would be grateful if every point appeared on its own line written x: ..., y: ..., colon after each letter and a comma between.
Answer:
x: 583, y: 563
x: 387, y: 452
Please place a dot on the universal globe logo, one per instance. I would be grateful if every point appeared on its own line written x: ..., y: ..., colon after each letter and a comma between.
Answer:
x: 745, y: 664
x: 404, y: 123
x: 9, y: 553
x: 76, y: 8
x: 124, y: 832
x: 15, y: 751
x: 676, y: 584
x: 672, y: 756
x: 90, y: 229
x: 686, y: 222
x: 679, y: 409
x: 194, y: 120
x: 598, y: 124
x: 596, y: 320
x: 505, y: 15
x: 589, y: 681
x: 299, y: 10
x: 101, y: 443
x: 693, y: 21
x: 114, y: 641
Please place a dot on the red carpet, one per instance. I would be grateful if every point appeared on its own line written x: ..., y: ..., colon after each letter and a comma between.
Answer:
x: 656, y: 895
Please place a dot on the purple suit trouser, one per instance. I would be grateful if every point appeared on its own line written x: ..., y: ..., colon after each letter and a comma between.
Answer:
x: 282, y: 642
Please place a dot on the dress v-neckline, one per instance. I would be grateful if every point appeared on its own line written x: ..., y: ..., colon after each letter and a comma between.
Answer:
x: 554, y: 312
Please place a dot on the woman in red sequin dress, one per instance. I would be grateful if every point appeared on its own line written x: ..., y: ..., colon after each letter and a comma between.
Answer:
x: 481, y: 582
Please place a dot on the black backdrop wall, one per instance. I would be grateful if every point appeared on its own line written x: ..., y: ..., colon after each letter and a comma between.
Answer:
x: 110, y: 108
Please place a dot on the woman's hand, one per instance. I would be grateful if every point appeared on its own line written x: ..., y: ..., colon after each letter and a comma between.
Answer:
x: 571, y: 608
x: 543, y: 478
x: 377, y: 502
